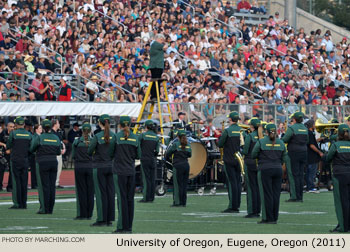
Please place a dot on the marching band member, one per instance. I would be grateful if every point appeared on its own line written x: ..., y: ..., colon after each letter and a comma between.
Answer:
x: 47, y: 147
x: 297, y: 138
x: 125, y: 151
x: 230, y: 141
x: 181, y: 152
x: 149, y: 142
x: 19, y: 144
x: 83, y: 172
x: 100, y: 149
x: 339, y: 155
x: 253, y: 197
x: 270, y: 153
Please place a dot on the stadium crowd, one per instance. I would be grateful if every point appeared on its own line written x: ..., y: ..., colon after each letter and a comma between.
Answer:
x: 210, y: 51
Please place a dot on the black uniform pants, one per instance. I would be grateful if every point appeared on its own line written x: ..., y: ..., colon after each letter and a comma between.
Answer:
x: 341, y: 192
x: 270, y: 181
x: 125, y: 189
x: 181, y: 173
x: 84, y: 186
x: 32, y: 165
x: 148, y: 169
x: 298, y: 161
x: 156, y: 74
x: 46, y: 177
x: 233, y: 183
x: 104, y: 190
x: 253, y: 195
x: 20, y: 183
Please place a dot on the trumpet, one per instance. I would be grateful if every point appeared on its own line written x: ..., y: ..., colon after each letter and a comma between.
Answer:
x: 240, y: 160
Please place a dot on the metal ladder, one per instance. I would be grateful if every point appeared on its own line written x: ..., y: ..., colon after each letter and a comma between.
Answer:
x: 144, y: 103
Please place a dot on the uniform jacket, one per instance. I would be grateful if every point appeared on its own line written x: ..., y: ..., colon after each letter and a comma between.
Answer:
x: 125, y: 151
x: 47, y: 147
x: 19, y: 143
x: 270, y: 155
x: 149, y: 143
x: 179, y: 155
x: 230, y: 141
x: 339, y: 154
x: 100, y: 150
x: 80, y: 152
x: 297, y: 137
x: 249, y: 143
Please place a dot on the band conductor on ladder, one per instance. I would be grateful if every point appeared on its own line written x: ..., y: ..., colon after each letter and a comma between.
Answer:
x: 157, y: 62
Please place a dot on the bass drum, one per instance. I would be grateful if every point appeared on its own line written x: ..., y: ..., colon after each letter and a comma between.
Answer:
x: 199, y: 156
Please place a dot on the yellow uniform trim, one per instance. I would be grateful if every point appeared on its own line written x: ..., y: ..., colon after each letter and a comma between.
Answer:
x: 103, y: 138
x: 150, y: 136
x: 344, y: 147
x: 131, y: 139
x: 277, y: 145
x: 301, y: 130
x: 236, y: 132
x: 22, y: 134
x: 50, y: 140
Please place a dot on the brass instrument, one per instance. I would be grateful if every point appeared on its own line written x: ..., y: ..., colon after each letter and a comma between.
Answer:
x: 323, y: 127
x: 240, y: 160
x: 244, y: 126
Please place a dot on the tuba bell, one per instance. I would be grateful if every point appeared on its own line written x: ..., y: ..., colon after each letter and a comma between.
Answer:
x: 323, y: 127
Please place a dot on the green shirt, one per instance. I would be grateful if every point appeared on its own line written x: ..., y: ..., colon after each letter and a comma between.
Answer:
x: 157, y: 55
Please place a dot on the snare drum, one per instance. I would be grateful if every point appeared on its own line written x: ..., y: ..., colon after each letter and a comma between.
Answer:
x: 199, y: 156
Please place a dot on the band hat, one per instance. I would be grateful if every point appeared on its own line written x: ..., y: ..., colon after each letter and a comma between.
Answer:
x: 104, y: 118
x: 347, y: 118
x: 86, y: 126
x: 125, y: 120
x: 19, y: 120
x: 234, y: 115
x: 46, y: 123
x: 149, y: 122
x: 271, y: 127
x: 181, y: 132
x: 263, y: 124
x: 255, y: 122
x: 342, y: 128
x: 298, y: 115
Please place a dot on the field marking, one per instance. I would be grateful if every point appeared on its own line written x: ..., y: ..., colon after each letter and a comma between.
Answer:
x: 242, y: 213
x: 233, y: 222
x: 21, y: 228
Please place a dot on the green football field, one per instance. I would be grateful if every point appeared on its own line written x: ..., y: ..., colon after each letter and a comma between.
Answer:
x: 202, y: 215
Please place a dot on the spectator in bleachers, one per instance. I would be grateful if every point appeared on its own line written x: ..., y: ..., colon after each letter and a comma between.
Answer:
x: 65, y: 93
x: 244, y: 6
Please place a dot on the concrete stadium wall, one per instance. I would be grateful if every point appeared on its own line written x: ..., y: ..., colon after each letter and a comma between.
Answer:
x: 310, y: 22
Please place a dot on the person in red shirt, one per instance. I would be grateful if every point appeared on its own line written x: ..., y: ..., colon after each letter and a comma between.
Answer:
x: 244, y: 6
x: 65, y: 90
x: 331, y: 90
x: 47, y: 89
x: 232, y: 95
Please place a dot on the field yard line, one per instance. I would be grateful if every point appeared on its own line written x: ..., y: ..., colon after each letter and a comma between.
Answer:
x: 234, y: 222
x: 168, y: 195
x: 188, y: 221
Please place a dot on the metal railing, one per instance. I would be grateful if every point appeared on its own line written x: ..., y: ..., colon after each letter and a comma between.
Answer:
x: 113, y: 19
x: 275, y: 113
x: 110, y: 81
x: 41, y: 45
